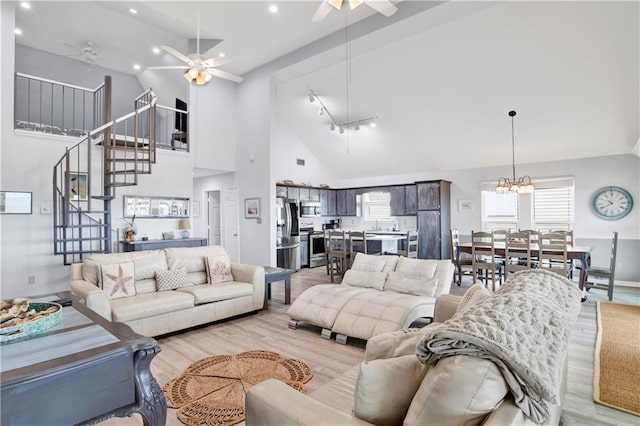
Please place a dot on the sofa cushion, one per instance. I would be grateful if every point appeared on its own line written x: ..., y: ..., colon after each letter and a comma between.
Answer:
x: 196, y: 278
x: 146, y: 263
x: 191, y: 258
x: 339, y: 392
x: 390, y: 262
x: 368, y: 263
x: 219, y: 269
x: 206, y: 293
x: 457, y: 390
x: 321, y: 304
x: 476, y: 293
x: 417, y: 268
x: 169, y: 280
x: 149, y: 304
x: 118, y: 280
x: 399, y: 378
x: 147, y: 285
x: 373, y: 312
x: 365, y: 279
x: 393, y: 344
x: 400, y: 283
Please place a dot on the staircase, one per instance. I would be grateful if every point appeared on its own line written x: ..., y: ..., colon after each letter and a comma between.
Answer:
x: 84, y: 180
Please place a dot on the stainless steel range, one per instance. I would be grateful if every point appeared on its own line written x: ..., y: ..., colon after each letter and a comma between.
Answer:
x: 317, y: 256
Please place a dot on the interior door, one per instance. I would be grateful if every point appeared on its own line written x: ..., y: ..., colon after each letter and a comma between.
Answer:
x: 214, y: 220
x: 231, y: 237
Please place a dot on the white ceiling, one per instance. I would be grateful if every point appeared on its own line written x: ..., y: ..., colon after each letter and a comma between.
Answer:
x: 441, y: 81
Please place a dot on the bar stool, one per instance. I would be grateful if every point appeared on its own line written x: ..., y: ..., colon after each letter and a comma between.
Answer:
x: 410, y: 246
x: 483, y: 253
x: 357, y: 243
x: 337, y: 254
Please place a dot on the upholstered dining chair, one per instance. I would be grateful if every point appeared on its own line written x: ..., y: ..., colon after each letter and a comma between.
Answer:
x: 337, y: 254
x: 517, y: 252
x: 604, y: 272
x: 483, y: 257
x: 463, y: 265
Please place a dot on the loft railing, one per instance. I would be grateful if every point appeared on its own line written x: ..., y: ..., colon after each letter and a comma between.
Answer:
x: 48, y: 106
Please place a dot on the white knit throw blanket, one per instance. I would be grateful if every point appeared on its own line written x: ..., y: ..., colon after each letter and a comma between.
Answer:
x: 524, y: 328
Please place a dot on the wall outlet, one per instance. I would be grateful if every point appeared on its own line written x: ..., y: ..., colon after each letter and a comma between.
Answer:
x: 32, y: 279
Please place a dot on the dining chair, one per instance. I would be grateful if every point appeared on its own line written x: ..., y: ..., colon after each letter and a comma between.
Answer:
x: 500, y: 238
x: 517, y: 252
x: 553, y: 253
x: 534, y: 238
x: 605, y: 273
x: 409, y: 245
x: 483, y: 257
x: 357, y: 243
x: 337, y: 254
x: 462, y: 264
x: 569, y: 235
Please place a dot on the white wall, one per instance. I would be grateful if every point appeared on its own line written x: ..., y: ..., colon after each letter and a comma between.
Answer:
x: 200, y: 188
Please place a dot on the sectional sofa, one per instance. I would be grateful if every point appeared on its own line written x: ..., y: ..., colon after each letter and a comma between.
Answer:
x: 160, y: 291
x: 378, y: 294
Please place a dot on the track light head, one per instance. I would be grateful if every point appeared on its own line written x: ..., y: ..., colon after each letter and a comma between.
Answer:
x: 341, y: 130
x: 333, y: 126
x: 321, y: 111
x: 357, y: 127
x: 312, y: 98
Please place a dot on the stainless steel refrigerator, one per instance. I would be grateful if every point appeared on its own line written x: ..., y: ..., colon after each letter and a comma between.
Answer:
x: 288, y: 234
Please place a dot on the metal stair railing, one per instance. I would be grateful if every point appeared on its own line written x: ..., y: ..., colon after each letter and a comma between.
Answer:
x: 80, y: 229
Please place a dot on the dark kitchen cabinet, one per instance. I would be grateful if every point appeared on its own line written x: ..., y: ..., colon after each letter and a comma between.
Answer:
x: 314, y: 194
x: 410, y: 200
x: 346, y: 202
x: 293, y: 193
x: 397, y: 200
x: 304, y: 194
x: 281, y: 191
x: 327, y: 202
x: 434, y: 219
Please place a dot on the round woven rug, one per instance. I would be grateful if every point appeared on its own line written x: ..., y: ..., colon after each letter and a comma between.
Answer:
x: 211, y: 391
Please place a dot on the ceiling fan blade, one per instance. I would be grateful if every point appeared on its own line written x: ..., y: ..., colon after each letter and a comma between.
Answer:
x: 169, y: 67
x: 322, y: 12
x: 177, y: 54
x: 383, y: 6
x: 215, y: 62
x: 225, y: 75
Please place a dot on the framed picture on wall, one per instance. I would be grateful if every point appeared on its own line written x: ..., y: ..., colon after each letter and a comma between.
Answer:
x: 465, y: 206
x: 252, y: 208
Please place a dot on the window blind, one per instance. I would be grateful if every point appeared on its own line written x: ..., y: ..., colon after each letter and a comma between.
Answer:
x: 553, y: 206
x: 377, y: 205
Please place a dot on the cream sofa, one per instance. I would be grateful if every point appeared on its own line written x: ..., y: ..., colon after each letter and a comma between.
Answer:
x: 151, y: 312
x: 378, y: 294
x: 391, y: 386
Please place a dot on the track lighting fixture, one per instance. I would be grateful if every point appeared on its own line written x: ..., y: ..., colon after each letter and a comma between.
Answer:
x: 341, y: 126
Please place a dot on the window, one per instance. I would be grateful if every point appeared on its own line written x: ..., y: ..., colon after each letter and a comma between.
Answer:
x: 499, y: 211
x: 553, y: 204
x: 376, y: 206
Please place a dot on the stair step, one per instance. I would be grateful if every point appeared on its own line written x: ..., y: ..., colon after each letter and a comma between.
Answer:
x: 89, y: 225
x: 125, y: 172
x: 104, y: 198
x: 119, y: 184
x: 127, y: 160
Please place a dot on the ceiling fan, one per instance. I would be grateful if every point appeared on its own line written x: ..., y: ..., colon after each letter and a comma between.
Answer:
x: 87, y: 52
x: 198, y: 67
x: 383, y: 6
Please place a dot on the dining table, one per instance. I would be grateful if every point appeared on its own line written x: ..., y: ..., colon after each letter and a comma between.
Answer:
x: 580, y: 253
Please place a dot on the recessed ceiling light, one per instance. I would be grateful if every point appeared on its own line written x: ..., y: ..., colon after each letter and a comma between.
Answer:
x: 136, y: 67
x: 222, y: 54
x: 25, y: 5
x: 156, y: 50
x: 273, y: 8
x: 372, y: 124
x: 17, y: 31
x: 133, y: 11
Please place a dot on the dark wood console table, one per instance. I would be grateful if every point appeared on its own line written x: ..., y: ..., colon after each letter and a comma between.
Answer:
x: 83, y: 370
x: 139, y: 245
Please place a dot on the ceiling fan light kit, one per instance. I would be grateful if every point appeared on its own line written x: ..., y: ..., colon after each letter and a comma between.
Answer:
x: 382, y: 6
x: 522, y: 184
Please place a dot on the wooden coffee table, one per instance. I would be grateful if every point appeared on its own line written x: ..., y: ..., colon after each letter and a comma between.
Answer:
x: 83, y: 370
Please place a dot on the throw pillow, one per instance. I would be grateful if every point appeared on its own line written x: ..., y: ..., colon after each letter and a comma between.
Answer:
x: 385, y: 389
x: 219, y: 269
x: 169, y: 280
x: 118, y: 280
x: 475, y: 294
x: 365, y: 279
x: 417, y: 268
x: 401, y: 283
x: 367, y: 263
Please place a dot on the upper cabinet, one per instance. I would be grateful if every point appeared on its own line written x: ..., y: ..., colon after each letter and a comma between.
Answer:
x: 281, y: 191
x: 314, y: 194
x: 346, y: 202
x: 304, y: 194
x: 410, y: 200
x: 403, y: 200
x: 327, y: 202
x: 293, y: 193
x: 428, y: 195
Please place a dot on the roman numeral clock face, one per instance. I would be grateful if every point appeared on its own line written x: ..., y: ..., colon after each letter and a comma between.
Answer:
x: 612, y: 203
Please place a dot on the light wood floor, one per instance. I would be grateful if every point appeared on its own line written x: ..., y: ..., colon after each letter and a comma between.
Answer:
x: 268, y: 330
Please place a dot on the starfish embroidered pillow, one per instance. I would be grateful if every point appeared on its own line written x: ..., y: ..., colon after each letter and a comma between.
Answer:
x: 118, y: 280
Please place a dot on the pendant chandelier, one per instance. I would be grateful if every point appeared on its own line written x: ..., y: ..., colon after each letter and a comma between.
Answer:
x: 522, y: 184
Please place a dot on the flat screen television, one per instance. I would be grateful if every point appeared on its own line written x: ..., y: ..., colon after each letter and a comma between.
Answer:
x: 181, y: 118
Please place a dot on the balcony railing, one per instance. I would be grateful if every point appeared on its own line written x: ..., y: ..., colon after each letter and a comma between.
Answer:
x: 53, y: 107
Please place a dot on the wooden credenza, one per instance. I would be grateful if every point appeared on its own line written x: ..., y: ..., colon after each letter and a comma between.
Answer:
x: 162, y: 244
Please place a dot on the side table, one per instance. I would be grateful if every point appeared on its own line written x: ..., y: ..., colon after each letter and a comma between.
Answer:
x: 272, y: 275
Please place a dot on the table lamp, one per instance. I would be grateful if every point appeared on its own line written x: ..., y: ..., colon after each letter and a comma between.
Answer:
x: 185, y: 225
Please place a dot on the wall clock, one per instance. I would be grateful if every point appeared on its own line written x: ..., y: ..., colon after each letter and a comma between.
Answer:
x: 612, y: 203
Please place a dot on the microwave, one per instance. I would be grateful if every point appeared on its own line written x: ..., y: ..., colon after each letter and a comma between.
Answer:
x: 310, y: 209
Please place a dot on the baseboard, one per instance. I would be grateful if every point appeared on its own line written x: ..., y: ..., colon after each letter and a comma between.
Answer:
x: 633, y: 284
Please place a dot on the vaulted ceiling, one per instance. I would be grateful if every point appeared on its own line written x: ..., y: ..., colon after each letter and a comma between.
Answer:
x: 441, y: 81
